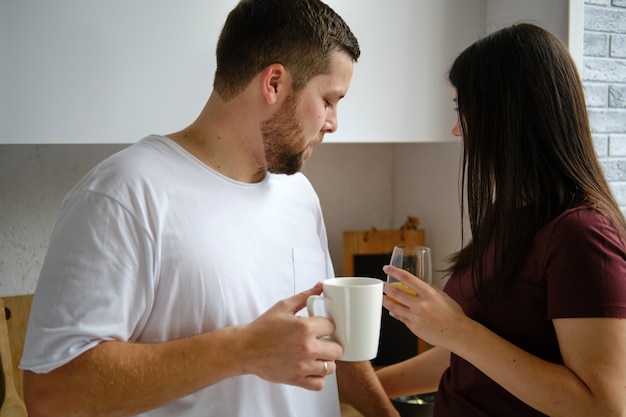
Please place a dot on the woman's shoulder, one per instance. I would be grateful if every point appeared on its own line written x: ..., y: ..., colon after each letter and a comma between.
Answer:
x: 580, y: 224
x: 581, y: 218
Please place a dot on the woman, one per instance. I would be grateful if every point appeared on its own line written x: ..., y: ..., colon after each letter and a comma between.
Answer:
x: 529, y: 322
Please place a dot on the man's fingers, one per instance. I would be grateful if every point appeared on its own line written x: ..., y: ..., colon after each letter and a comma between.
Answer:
x: 297, y: 302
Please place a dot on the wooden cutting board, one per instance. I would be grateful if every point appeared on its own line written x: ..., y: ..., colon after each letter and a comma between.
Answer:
x: 18, y: 308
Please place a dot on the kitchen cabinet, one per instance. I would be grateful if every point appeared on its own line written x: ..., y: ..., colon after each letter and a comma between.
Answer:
x: 399, y: 91
x: 87, y: 71
x: 92, y: 71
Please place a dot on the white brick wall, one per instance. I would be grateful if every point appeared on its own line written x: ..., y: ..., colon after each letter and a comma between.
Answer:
x: 604, y: 77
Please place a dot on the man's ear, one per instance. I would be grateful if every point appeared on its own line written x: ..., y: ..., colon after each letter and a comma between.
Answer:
x: 275, y: 83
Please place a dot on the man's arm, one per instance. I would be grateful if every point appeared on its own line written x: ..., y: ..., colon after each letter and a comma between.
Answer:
x: 359, y: 387
x: 123, y: 379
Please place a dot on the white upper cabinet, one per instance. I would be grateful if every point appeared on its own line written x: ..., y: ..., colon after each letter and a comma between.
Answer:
x: 95, y: 71
x: 92, y: 71
x: 399, y: 91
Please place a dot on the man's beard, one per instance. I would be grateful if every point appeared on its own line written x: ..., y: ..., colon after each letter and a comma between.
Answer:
x: 280, y: 133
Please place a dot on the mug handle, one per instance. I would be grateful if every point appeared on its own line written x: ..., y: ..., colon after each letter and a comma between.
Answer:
x: 311, y: 301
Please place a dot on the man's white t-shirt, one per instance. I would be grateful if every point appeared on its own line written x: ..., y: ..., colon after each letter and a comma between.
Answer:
x: 152, y: 245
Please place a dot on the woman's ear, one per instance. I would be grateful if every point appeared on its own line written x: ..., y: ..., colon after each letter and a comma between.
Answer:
x: 275, y: 83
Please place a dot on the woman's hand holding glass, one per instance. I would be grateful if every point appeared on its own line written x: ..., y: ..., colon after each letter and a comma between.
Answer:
x: 414, y: 259
x: 427, y: 311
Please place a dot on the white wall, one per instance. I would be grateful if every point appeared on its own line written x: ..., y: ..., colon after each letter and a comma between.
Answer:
x: 355, y: 186
x: 363, y: 186
x: 33, y: 181
x: 426, y: 184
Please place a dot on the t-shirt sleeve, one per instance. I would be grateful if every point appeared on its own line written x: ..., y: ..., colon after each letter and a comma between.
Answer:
x: 585, y: 268
x: 93, y: 286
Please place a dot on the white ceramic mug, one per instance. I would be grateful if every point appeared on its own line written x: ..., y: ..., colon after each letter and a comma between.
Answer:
x: 354, y: 304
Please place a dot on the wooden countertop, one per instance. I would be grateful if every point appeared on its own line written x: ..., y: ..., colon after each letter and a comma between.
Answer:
x: 348, y: 411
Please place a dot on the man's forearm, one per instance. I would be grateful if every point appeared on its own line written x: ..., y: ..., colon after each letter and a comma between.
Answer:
x: 116, y: 379
x: 359, y: 387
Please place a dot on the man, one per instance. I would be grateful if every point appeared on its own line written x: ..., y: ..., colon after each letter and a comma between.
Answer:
x: 159, y: 295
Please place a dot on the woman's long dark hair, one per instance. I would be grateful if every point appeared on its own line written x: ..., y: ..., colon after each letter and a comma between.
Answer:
x: 527, y: 145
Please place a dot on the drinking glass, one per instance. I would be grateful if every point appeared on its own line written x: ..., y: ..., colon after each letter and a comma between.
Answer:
x: 416, y: 260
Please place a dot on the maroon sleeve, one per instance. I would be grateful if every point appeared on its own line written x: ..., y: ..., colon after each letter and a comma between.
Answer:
x: 585, y: 268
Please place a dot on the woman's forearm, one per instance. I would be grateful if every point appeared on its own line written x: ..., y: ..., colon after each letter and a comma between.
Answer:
x: 583, y: 386
x: 418, y: 375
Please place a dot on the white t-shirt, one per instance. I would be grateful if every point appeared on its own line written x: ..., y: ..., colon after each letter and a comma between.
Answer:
x: 152, y: 245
